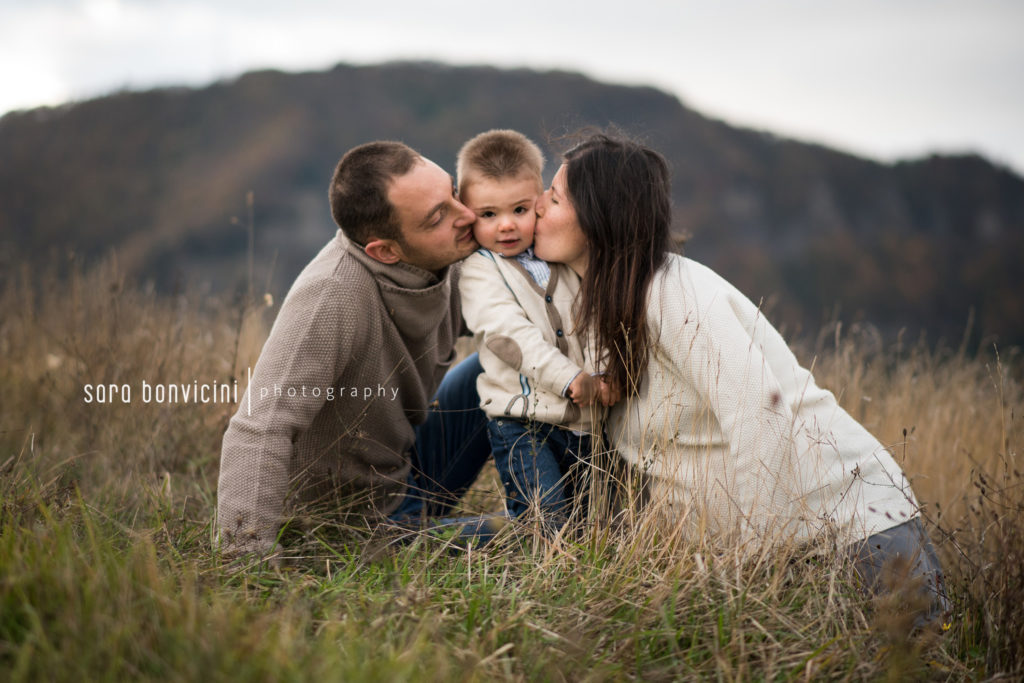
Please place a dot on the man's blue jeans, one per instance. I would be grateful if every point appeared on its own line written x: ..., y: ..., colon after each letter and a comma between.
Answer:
x: 451, y: 448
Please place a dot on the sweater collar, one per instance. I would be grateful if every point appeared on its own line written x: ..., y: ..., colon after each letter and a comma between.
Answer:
x: 416, y: 299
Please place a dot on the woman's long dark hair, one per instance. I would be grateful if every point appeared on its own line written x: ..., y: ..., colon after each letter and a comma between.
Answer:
x: 620, y: 190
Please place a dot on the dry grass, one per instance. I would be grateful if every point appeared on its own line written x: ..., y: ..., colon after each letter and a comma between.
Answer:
x: 106, y: 569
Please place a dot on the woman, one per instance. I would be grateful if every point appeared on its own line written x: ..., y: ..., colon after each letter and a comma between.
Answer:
x: 734, y: 436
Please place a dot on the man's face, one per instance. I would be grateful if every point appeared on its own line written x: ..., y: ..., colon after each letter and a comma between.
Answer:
x: 436, y: 226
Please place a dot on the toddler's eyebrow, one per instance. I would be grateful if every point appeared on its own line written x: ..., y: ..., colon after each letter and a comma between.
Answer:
x: 490, y: 207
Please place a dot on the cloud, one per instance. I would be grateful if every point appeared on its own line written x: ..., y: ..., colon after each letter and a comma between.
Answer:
x: 872, y: 76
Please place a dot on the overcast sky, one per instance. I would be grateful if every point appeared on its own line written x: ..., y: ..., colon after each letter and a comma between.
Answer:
x: 883, y: 78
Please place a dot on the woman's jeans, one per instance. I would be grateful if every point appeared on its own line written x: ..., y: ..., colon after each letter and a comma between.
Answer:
x: 904, y: 553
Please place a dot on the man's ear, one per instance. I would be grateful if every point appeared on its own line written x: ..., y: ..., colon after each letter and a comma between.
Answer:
x: 385, y: 251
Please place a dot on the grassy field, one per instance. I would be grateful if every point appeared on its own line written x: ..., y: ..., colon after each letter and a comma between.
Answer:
x: 107, y: 570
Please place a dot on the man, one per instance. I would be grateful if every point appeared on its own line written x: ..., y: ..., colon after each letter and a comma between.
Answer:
x: 339, y: 410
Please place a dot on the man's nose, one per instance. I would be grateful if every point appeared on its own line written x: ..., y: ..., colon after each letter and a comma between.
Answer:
x: 465, y: 217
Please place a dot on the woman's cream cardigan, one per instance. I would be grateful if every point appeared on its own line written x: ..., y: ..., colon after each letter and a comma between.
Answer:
x: 735, y: 437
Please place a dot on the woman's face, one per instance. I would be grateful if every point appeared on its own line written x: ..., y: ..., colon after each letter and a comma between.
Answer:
x: 558, y: 236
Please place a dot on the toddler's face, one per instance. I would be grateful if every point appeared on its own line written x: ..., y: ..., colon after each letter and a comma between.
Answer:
x: 504, y: 212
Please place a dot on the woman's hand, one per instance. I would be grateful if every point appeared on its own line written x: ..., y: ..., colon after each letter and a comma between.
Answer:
x: 583, y: 389
x: 608, y: 394
x: 586, y: 389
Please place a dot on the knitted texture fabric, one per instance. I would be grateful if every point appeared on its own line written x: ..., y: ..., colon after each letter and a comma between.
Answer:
x: 734, y: 435
x: 524, y: 335
x: 354, y: 356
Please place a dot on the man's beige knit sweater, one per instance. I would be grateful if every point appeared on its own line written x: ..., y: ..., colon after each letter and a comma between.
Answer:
x: 355, y: 354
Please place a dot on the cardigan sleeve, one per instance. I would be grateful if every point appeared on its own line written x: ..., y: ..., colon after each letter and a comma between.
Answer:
x: 492, y: 310
x: 308, y: 346
x: 711, y: 340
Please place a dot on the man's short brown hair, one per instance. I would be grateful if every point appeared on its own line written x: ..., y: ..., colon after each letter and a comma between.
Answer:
x: 359, y: 190
x: 499, y: 154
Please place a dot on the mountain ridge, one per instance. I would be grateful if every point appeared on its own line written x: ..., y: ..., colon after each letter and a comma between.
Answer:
x: 159, y: 174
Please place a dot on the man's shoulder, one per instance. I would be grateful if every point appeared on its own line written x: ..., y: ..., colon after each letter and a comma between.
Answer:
x: 335, y: 274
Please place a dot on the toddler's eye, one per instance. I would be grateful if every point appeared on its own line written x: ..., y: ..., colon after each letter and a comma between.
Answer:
x: 520, y: 210
x: 487, y: 214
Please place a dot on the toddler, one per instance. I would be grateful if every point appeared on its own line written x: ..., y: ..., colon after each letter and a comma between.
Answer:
x: 536, y: 378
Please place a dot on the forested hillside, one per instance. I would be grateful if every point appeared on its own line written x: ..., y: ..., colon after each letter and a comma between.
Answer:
x: 160, y: 175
